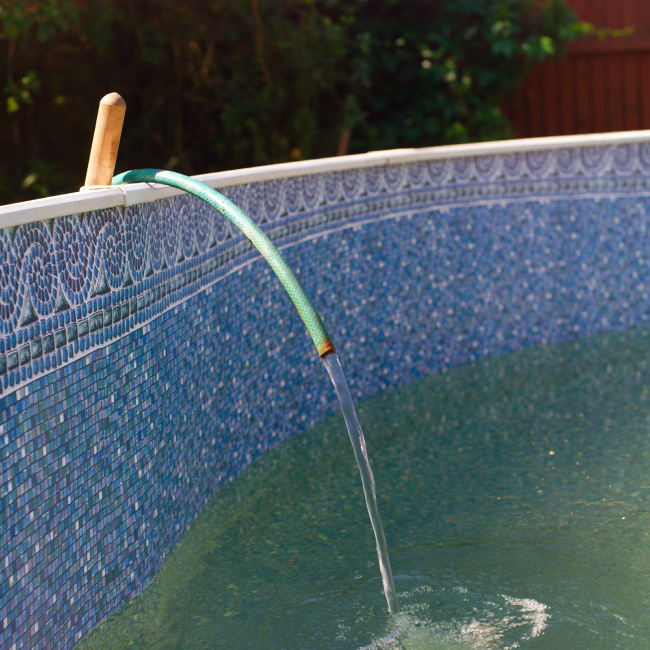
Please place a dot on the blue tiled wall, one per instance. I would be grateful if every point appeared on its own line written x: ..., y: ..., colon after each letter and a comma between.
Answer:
x: 148, y: 355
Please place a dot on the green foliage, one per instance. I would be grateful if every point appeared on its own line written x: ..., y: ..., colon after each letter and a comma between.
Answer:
x: 437, y: 73
x: 235, y: 83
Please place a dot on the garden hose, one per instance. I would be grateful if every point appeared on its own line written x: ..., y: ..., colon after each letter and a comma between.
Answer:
x: 264, y: 245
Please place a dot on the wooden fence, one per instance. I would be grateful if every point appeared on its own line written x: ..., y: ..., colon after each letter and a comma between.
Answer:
x: 601, y: 85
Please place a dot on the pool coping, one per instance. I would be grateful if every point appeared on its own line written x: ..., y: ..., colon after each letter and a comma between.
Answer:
x: 102, y: 197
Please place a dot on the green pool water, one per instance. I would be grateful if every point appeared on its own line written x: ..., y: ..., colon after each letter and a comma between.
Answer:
x: 514, y: 494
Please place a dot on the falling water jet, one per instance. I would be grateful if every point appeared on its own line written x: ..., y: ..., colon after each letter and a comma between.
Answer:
x: 335, y: 371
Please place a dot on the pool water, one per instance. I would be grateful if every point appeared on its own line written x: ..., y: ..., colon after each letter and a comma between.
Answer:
x: 515, y: 497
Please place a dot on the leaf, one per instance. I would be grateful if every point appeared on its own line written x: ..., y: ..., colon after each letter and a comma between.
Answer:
x: 29, y: 180
x: 12, y: 105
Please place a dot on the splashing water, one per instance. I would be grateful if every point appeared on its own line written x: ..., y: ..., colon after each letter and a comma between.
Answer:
x: 333, y: 367
x: 502, y: 623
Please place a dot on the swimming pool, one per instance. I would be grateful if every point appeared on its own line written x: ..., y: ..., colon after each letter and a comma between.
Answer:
x: 138, y: 332
x: 515, y: 494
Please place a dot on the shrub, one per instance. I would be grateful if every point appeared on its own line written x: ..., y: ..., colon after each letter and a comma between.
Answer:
x: 236, y: 83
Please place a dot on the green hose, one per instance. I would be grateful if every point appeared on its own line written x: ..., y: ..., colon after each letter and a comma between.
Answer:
x: 264, y: 245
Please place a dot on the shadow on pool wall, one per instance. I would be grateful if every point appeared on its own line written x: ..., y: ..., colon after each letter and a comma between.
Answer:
x: 148, y: 354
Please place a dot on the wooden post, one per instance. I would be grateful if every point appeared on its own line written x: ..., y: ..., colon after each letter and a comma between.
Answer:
x: 106, y: 140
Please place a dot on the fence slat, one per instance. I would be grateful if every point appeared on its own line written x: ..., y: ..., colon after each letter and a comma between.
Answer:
x: 630, y: 81
x: 644, y: 75
x: 615, y: 103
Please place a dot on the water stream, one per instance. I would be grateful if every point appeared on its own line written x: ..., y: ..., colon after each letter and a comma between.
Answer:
x: 516, y: 497
x: 333, y: 367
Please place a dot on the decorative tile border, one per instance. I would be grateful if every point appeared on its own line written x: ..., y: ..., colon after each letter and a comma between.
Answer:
x: 139, y: 343
x: 77, y: 282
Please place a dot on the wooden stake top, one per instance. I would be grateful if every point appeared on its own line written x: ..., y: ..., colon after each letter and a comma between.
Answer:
x: 106, y: 140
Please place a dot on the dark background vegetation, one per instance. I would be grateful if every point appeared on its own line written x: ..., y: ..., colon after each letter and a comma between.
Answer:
x: 222, y: 84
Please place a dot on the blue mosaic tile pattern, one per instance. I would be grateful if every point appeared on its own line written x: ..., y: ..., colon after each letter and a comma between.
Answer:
x: 147, y: 355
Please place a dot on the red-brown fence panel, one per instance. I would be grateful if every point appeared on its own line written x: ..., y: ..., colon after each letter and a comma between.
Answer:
x: 602, y: 84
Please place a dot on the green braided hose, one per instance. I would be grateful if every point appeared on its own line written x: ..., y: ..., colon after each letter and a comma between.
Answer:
x: 264, y: 245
